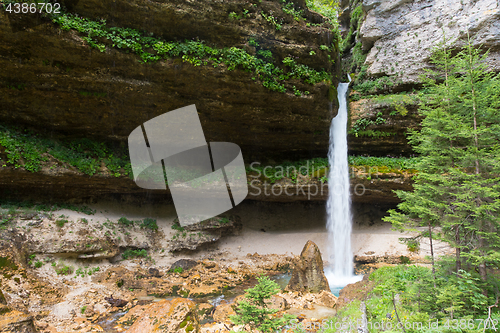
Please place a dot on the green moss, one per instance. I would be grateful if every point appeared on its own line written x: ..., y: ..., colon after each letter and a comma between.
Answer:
x: 333, y: 95
x: 7, y: 263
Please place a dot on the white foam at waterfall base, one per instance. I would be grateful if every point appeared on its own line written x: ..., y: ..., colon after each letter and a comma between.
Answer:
x: 339, y: 218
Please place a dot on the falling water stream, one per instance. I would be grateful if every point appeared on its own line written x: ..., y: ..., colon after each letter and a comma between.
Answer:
x: 340, y: 272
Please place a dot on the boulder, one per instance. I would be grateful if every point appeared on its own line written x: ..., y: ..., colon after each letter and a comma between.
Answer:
x: 326, y: 298
x: 185, y: 264
x: 116, y: 302
x: 308, y: 274
x: 166, y: 316
x: 223, y: 312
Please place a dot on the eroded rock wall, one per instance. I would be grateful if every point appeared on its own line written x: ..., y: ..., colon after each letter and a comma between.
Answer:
x: 52, y: 79
x: 399, y: 35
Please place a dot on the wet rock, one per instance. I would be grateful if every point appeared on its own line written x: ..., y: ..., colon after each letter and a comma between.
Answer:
x: 185, y: 264
x: 308, y: 274
x: 118, y: 303
x: 326, y: 298
x: 209, y: 264
x: 16, y: 322
x: 166, y: 316
x: 204, y: 310
x: 154, y: 272
x: 223, y: 312
x: 131, y: 316
x: 277, y: 302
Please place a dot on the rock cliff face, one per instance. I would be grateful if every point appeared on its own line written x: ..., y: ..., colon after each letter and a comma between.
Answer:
x: 52, y: 79
x: 388, y: 46
x: 400, y: 35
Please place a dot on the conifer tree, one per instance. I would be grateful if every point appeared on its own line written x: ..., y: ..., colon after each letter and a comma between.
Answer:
x: 457, y: 187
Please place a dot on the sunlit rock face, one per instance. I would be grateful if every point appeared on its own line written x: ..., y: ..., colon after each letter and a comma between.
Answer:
x: 400, y: 35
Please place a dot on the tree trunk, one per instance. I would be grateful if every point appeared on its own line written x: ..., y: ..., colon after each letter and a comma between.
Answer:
x: 457, y: 249
x: 432, y: 254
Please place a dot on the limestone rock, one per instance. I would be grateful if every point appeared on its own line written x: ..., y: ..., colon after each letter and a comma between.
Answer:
x: 116, y: 302
x: 204, y: 311
x: 326, y: 298
x: 223, y: 312
x: 308, y: 274
x: 205, y: 232
x: 400, y: 35
x: 16, y: 322
x: 277, y: 302
x: 185, y: 264
x: 169, y: 316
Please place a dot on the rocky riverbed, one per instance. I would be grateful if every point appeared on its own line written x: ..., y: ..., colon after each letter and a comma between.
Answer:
x: 96, y: 270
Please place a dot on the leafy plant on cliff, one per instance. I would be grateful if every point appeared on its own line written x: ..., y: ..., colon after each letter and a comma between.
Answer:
x: 288, y: 8
x: 151, y: 49
x: 359, y: 127
x: 27, y: 149
x: 254, y: 311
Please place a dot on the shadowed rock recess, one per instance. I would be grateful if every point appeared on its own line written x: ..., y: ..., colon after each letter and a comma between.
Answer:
x: 54, y: 83
x: 52, y: 79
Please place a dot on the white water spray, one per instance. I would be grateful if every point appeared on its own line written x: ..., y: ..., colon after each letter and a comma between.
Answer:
x: 339, y: 218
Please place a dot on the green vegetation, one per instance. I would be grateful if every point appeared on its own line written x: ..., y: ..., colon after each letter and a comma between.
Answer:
x: 177, y: 270
x: 254, y: 310
x: 359, y: 127
x: 457, y: 189
x: 82, y: 272
x: 369, y: 87
x: 355, y: 24
x: 149, y: 223
x: 82, y: 310
x: 151, y: 49
x: 412, y: 299
x: 288, y: 8
x: 126, y: 222
x: 317, y: 167
x: 22, y: 207
x: 273, y: 20
x: 129, y: 253
x: 330, y: 10
x: 63, y: 269
x: 61, y: 222
x: 424, y: 297
x: 177, y: 226
x: 28, y: 149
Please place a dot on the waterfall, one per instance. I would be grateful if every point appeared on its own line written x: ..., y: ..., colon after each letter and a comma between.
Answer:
x: 339, y: 218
